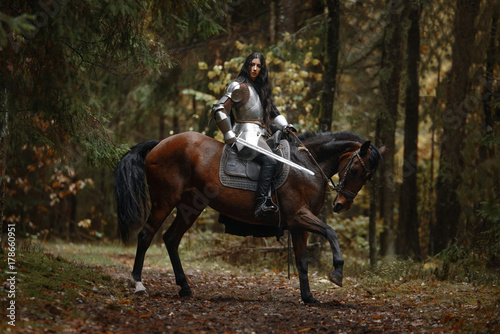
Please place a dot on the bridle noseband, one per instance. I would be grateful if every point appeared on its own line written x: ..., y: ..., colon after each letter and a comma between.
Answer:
x: 339, y: 188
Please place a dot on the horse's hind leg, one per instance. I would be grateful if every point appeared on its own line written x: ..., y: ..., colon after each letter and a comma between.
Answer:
x: 155, y: 220
x: 187, y: 212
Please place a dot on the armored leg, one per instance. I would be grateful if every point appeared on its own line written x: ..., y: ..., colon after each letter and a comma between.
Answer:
x: 267, y: 170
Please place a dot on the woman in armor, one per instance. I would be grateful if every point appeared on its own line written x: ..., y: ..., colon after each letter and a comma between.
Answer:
x: 248, y: 101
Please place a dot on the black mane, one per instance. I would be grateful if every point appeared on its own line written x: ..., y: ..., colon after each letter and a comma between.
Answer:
x: 342, y: 136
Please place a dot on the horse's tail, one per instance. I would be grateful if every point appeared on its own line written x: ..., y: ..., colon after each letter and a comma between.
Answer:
x: 130, y: 187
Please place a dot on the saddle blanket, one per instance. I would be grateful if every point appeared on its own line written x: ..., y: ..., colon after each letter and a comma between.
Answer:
x: 243, y: 174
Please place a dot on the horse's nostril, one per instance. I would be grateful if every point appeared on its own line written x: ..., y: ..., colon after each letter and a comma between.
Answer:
x: 338, y: 207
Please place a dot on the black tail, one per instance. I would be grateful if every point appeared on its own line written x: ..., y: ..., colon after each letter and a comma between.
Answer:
x: 130, y: 187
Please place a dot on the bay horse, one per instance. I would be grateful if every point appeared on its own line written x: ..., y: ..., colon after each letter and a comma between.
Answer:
x: 182, y: 171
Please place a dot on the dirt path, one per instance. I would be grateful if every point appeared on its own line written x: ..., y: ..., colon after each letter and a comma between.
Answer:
x: 270, y: 303
x: 56, y: 295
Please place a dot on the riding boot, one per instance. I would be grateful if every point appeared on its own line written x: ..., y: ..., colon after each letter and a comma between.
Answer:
x: 264, y: 207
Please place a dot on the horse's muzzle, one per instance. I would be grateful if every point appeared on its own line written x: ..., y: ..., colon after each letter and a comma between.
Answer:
x: 337, y: 208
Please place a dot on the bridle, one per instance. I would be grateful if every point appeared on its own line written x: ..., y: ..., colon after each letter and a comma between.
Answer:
x: 339, y: 188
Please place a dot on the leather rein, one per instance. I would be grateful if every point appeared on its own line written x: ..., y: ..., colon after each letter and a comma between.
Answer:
x: 339, y: 188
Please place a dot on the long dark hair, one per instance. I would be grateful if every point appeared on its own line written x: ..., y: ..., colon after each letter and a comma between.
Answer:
x: 261, y: 85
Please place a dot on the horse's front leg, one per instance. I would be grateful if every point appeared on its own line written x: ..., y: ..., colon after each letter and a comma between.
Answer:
x: 307, y: 220
x: 299, y: 238
x: 336, y: 275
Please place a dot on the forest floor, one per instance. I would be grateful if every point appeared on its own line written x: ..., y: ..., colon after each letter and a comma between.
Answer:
x: 57, y: 292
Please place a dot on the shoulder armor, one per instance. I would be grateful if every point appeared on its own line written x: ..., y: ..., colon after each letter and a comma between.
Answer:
x: 234, y: 91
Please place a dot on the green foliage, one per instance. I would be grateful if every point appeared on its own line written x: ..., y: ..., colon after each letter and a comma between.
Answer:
x: 64, y: 85
x: 22, y: 24
x: 490, y: 238
x: 491, y: 212
x: 65, y: 69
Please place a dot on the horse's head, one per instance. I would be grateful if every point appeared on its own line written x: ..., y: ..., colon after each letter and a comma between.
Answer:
x: 355, y: 169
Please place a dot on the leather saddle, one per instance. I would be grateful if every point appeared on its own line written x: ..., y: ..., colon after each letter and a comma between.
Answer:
x: 244, y: 174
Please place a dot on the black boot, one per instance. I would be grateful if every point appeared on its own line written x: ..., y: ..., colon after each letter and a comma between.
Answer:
x: 267, y: 170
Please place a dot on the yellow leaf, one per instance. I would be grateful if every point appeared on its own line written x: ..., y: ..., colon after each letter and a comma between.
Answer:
x: 202, y: 65
x: 211, y: 74
x: 240, y: 46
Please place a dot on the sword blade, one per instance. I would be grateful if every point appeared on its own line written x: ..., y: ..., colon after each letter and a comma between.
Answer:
x: 272, y: 155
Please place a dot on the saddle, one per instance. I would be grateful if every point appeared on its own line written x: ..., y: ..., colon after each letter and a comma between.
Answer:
x: 244, y: 174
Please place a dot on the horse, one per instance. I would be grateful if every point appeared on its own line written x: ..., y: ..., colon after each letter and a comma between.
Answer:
x: 182, y: 172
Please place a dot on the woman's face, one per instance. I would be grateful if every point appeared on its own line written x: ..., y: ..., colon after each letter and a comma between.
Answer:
x: 255, y: 68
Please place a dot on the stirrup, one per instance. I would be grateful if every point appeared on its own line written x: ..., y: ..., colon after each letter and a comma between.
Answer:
x: 265, y: 209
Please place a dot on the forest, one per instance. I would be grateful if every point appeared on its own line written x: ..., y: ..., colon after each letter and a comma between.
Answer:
x: 81, y: 82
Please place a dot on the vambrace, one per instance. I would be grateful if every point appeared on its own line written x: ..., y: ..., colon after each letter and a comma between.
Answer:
x: 224, y: 124
x: 220, y: 106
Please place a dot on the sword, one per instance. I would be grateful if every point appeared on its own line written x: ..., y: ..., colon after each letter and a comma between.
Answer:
x: 272, y: 155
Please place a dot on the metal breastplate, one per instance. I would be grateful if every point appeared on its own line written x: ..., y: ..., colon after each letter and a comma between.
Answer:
x: 251, y: 109
x: 249, y: 116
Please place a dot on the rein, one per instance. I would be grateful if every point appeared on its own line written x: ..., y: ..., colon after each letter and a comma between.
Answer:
x: 303, y: 147
x: 339, y: 188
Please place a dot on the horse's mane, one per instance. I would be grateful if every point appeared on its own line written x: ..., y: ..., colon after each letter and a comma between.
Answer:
x: 341, y: 136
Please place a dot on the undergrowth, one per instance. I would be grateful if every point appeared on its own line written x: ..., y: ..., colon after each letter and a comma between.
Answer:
x: 49, y: 284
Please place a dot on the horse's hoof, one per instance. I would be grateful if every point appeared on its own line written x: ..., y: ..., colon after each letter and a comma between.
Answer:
x: 140, y: 289
x: 335, y: 278
x: 311, y: 301
x: 185, y: 293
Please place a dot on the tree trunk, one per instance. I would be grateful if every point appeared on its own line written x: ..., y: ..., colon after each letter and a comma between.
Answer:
x: 4, y: 131
x: 372, y: 224
x: 331, y: 62
x: 485, y: 151
x: 287, y: 16
x: 328, y: 97
x: 389, y: 86
x: 448, y: 208
x: 408, y: 237
x: 273, y: 21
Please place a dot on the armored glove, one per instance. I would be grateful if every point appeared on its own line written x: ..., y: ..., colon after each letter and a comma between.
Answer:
x: 289, y: 128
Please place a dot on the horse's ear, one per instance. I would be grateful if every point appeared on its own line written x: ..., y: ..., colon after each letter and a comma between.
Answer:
x: 364, y: 148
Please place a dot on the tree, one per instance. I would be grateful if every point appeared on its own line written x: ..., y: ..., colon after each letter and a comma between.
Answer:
x: 330, y: 63
x: 408, y: 236
x: 386, y: 122
x: 64, y: 75
x: 4, y: 118
x: 451, y: 164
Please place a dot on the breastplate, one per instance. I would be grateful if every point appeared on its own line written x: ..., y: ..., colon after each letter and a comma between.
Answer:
x: 246, y: 113
x: 251, y: 109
